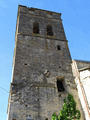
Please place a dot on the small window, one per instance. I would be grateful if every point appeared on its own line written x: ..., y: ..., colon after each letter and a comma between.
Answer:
x: 49, y: 30
x: 36, y: 28
x: 25, y: 64
x: 58, y: 47
x: 60, y: 85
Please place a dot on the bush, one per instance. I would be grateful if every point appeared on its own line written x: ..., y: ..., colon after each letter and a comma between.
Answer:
x: 69, y: 111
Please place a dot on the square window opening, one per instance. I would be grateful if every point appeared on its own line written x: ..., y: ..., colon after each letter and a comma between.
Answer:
x: 58, y: 47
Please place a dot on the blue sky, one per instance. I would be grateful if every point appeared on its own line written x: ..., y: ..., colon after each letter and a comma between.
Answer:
x: 76, y: 21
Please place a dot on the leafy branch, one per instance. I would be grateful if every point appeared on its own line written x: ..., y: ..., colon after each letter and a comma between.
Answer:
x: 68, y: 111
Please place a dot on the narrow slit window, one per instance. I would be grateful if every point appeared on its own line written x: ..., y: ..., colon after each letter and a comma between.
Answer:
x: 36, y: 28
x: 58, y: 47
x: 49, y: 30
x: 60, y: 85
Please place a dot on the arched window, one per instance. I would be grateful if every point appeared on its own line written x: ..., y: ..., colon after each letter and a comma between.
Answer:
x: 36, y: 28
x: 49, y: 30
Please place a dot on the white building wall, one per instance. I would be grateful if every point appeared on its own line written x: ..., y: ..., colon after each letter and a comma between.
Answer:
x: 85, y: 79
x: 82, y: 80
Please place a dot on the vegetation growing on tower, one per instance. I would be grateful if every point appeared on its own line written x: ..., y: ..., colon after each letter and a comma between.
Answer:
x: 68, y: 111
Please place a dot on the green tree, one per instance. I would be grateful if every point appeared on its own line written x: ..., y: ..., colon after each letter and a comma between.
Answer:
x: 68, y: 111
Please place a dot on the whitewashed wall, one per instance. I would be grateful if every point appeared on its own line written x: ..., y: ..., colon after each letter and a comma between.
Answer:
x: 82, y: 80
x: 85, y: 79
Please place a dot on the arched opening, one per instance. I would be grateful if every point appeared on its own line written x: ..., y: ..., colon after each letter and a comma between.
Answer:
x: 49, y: 30
x: 36, y: 28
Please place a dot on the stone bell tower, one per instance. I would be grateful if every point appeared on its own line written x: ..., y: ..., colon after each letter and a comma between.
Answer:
x: 42, y: 74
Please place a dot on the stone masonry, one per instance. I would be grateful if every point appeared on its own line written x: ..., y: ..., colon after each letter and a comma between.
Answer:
x: 42, y: 73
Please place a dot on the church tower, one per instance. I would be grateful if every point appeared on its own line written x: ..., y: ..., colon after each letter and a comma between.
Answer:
x: 42, y: 73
